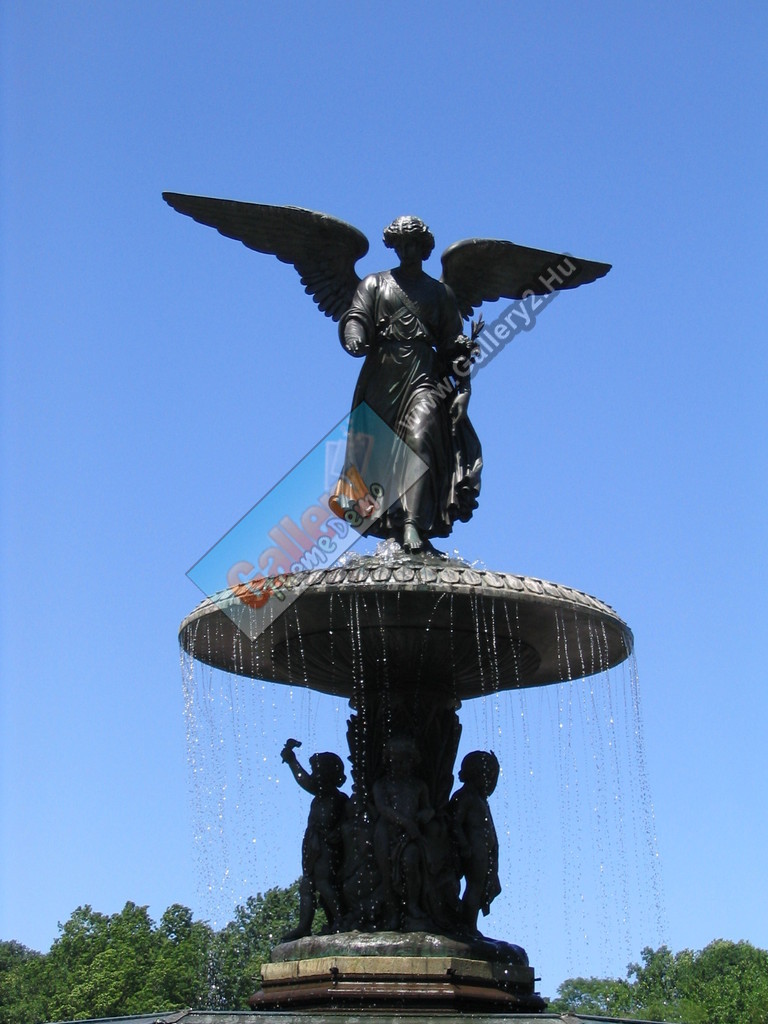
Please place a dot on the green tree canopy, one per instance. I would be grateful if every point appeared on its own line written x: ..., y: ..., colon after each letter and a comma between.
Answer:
x: 724, y: 983
x: 114, y: 965
x: 22, y: 977
x: 607, y: 996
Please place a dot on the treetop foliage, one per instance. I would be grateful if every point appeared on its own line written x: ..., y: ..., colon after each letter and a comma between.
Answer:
x: 724, y: 983
x: 115, y: 965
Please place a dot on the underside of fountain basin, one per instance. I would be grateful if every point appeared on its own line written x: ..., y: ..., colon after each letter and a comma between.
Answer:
x: 435, y: 624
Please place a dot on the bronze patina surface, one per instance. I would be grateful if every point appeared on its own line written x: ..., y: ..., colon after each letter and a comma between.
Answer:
x: 406, y: 326
x: 426, y: 622
x: 406, y: 637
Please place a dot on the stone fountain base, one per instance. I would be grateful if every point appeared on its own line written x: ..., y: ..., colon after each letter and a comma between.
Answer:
x: 394, y: 970
x: 353, y: 1016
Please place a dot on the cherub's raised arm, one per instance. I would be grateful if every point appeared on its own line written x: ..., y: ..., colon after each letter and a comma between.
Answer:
x: 304, y: 778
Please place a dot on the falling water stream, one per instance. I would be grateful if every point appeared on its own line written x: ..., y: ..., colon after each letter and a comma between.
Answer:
x: 579, y: 857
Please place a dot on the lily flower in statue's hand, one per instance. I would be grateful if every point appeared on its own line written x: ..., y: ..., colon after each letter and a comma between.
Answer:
x: 458, y: 409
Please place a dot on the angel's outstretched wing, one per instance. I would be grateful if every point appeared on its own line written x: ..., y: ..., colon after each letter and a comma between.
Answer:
x: 323, y: 249
x: 485, y: 269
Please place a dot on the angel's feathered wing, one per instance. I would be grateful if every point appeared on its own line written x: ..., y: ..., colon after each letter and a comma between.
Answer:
x: 323, y: 250
x: 486, y: 269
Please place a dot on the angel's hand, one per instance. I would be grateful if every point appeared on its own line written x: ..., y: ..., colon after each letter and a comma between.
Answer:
x: 355, y: 346
x: 458, y: 408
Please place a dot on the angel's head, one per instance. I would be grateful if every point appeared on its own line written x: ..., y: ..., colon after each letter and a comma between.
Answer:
x: 409, y: 228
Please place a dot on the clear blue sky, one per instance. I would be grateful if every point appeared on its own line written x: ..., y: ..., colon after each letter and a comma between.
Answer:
x: 158, y: 379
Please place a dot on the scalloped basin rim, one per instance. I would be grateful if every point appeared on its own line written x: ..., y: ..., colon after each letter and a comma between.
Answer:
x: 423, y: 622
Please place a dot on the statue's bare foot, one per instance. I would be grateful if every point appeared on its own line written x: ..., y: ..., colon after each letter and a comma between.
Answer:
x: 411, y: 539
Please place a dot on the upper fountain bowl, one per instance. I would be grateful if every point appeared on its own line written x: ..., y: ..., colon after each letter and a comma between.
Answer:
x: 411, y: 622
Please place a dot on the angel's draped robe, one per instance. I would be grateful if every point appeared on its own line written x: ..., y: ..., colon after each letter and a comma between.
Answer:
x: 407, y: 329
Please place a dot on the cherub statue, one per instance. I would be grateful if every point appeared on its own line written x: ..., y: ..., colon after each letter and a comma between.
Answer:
x: 321, y: 849
x: 401, y: 799
x: 407, y: 326
x: 475, y: 835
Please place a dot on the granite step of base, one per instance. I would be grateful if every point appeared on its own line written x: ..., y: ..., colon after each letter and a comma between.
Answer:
x: 414, y: 970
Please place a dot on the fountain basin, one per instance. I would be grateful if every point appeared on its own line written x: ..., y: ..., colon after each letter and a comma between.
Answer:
x: 415, y: 622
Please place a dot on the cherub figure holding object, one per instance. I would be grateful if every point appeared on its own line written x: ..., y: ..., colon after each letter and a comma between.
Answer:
x: 321, y: 848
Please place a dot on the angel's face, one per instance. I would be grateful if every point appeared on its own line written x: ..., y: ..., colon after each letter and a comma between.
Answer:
x: 409, y: 250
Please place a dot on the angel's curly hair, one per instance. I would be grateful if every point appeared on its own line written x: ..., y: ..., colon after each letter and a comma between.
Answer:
x: 409, y: 225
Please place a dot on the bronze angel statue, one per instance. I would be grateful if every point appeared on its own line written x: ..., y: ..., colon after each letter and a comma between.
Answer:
x: 407, y: 327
